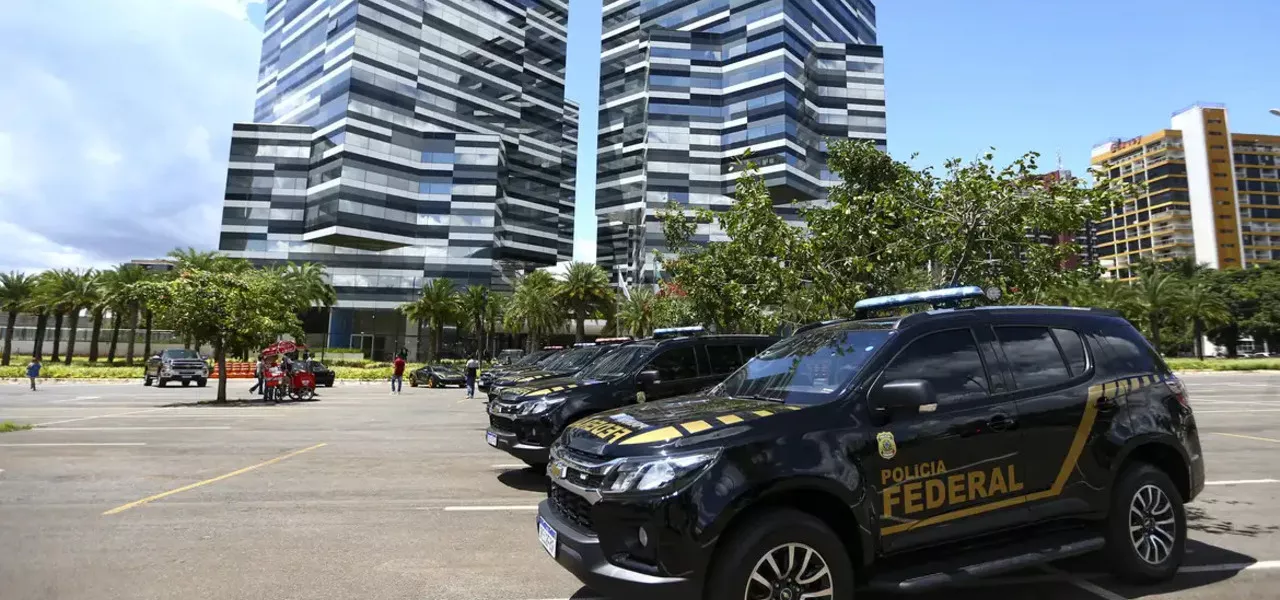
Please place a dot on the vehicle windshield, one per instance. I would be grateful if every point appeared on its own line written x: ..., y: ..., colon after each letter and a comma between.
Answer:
x: 444, y: 369
x: 550, y: 358
x: 529, y: 358
x: 576, y: 359
x: 181, y: 353
x: 809, y: 368
x: 618, y: 362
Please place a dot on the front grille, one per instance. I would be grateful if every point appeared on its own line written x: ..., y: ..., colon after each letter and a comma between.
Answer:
x: 571, y: 506
x: 499, y: 423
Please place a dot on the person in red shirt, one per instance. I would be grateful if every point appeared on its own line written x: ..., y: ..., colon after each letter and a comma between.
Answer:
x: 397, y: 377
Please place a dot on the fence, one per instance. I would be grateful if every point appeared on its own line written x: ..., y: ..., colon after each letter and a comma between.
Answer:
x: 235, y: 370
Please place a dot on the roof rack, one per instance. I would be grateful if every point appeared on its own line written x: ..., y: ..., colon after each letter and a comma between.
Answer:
x: 670, y: 332
x: 943, y: 298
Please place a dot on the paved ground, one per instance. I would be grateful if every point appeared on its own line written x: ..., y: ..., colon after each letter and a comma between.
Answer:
x: 367, y: 495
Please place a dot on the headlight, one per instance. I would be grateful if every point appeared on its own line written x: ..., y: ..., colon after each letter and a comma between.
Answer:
x: 539, y: 406
x: 652, y: 473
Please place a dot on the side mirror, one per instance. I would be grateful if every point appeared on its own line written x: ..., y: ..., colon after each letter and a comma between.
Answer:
x: 646, y: 379
x: 904, y: 396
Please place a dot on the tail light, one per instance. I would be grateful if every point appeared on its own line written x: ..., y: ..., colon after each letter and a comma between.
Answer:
x: 1179, y: 391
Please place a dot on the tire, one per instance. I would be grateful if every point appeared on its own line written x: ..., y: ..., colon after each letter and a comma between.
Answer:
x: 776, y: 533
x: 202, y: 382
x: 186, y: 383
x: 413, y: 381
x: 431, y: 383
x: 1148, y: 494
x: 328, y: 384
x: 146, y: 380
x: 161, y: 382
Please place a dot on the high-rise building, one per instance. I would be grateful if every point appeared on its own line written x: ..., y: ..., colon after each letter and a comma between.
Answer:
x: 687, y: 86
x: 398, y: 141
x: 1204, y: 192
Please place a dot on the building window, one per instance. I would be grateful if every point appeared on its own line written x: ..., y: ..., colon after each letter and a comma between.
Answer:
x: 1215, y: 132
x: 1217, y: 147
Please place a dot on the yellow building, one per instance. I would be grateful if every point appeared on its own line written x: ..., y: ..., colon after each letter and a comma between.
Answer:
x: 1205, y: 192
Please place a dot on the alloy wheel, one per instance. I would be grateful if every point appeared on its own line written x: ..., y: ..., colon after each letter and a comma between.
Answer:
x: 1152, y: 526
x: 790, y: 572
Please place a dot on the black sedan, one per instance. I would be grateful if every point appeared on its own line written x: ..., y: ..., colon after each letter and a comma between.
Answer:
x: 324, y: 375
x: 437, y: 376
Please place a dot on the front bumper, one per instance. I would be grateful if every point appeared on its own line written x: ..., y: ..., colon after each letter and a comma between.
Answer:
x: 509, y: 442
x: 580, y: 553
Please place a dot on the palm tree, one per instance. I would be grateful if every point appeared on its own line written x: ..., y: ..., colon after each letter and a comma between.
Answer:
x: 473, y: 303
x: 1159, y: 294
x: 584, y: 292
x: 97, y: 310
x: 120, y: 294
x: 54, y: 287
x: 533, y: 307
x: 191, y: 259
x: 637, y: 311
x: 436, y: 305
x: 311, y: 283
x: 16, y: 292
x: 80, y: 291
x: 1205, y: 308
x: 494, y: 310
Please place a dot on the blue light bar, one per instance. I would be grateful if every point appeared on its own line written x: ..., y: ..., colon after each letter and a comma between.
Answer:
x: 932, y: 297
x: 677, y: 331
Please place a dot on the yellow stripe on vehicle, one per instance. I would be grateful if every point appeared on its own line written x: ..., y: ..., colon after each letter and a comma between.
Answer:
x: 657, y: 435
x: 763, y: 413
x: 729, y: 419
x: 695, y: 426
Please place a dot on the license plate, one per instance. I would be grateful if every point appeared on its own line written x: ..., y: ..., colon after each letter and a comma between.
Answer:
x: 492, y: 438
x: 547, y: 537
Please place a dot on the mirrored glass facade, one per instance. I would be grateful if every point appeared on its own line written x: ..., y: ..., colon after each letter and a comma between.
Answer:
x: 687, y: 86
x: 397, y: 141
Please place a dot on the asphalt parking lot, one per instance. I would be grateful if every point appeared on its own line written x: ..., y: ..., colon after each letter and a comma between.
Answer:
x: 118, y: 493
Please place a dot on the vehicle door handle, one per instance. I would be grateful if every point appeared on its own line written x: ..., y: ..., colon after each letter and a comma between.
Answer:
x: 1000, y: 422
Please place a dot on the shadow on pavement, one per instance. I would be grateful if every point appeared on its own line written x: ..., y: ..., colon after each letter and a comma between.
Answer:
x: 1199, y: 519
x: 239, y: 402
x: 527, y: 480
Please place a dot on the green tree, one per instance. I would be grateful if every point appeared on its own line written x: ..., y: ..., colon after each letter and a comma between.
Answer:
x: 79, y: 291
x: 309, y: 283
x: 584, y: 292
x: 16, y: 293
x: 52, y: 291
x: 119, y: 296
x: 533, y: 307
x: 1159, y: 294
x: 437, y: 305
x: 473, y: 304
x: 226, y: 309
x: 494, y: 312
x: 1232, y: 286
x: 1205, y: 308
x: 636, y: 312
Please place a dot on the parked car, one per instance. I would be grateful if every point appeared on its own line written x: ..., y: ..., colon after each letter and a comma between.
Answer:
x: 176, y: 364
x: 437, y: 376
x: 534, y: 360
x: 324, y: 375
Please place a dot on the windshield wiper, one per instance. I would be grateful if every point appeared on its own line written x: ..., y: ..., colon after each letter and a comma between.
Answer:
x: 758, y: 397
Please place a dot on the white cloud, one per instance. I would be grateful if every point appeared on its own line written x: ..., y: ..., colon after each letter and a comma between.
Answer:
x: 115, y: 119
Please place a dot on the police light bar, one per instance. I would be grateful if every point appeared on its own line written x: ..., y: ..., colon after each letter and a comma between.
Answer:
x: 584, y: 344
x: 553, y: 347
x: 677, y: 331
x: 935, y: 298
x: 613, y: 340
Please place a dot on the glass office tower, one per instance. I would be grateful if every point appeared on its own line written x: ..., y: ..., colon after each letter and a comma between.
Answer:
x: 398, y: 141
x: 686, y: 86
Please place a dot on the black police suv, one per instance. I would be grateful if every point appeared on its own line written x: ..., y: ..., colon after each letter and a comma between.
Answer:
x: 566, y: 364
x: 896, y: 453
x: 530, y: 361
x: 524, y: 421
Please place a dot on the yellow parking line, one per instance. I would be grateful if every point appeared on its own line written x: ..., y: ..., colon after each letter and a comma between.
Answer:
x: 1248, y: 437
x: 197, y: 484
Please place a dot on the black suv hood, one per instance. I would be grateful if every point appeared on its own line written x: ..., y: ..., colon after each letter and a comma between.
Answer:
x: 679, y: 421
x: 550, y: 385
x: 526, y: 377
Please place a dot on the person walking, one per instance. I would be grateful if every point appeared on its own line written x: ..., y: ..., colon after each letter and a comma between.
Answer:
x: 397, y: 375
x: 473, y: 366
x: 260, y: 373
x: 33, y: 371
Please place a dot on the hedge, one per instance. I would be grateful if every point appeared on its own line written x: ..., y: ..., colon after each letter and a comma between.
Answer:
x: 60, y: 371
x: 1224, y: 364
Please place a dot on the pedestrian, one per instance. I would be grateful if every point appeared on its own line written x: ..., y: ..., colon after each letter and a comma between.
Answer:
x: 397, y: 375
x: 33, y: 371
x: 260, y: 373
x: 473, y: 366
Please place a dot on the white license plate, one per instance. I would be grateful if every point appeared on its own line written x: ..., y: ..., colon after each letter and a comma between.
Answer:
x: 547, y: 537
x: 492, y: 438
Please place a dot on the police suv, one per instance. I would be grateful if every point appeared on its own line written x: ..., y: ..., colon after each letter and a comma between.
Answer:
x: 566, y: 364
x: 525, y: 419
x: 528, y: 362
x: 896, y: 453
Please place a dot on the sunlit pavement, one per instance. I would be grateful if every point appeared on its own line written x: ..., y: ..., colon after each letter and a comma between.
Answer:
x: 131, y: 492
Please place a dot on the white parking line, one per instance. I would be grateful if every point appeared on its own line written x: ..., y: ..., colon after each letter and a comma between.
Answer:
x: 1081, y: 583
x: 132, y: 412
x: 1242, y: 482
x: 220, y: 428
x: 77, y: 444
x: 489, y: 508
x: 1264, y: 565
x: 510, y: 466
x: 1237, y: 411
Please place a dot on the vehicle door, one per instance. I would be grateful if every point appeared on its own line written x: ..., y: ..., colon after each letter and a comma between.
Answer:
x: 948, y: 470
x: 722, y: 359
x: 676, y: 373
x: 1050, y: 374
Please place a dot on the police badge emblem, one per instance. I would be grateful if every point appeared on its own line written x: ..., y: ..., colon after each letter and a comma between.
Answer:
x: 884, y: 442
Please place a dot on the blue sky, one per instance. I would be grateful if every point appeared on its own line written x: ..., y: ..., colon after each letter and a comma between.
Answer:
x: 115, y: 115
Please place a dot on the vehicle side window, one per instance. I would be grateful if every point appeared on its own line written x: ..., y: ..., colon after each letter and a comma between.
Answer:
x: 724, y: 358
x: 1132, y: 353
x: 1033, y: 356
x: 1073, y: 348
x: 750, y: 351
x: 676, y: 363
x: 947, y: 359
